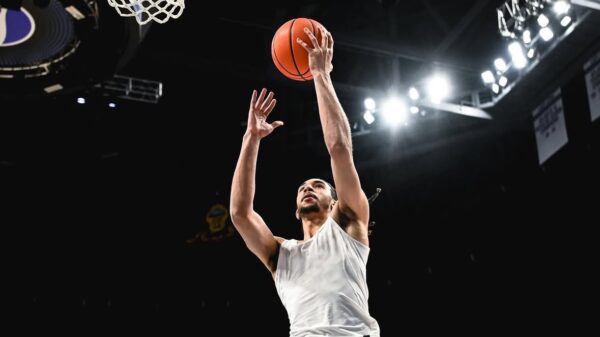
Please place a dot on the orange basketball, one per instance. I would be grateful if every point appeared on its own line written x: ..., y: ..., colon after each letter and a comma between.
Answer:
x: 289, y: 57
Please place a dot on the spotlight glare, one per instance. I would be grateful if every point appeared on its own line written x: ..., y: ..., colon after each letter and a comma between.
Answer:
x: 543, y: 20
x: 517, y: 55
x: 546, y: 33
x: 394, y: 111
x: 527, y: 36
x: 503, y: 81
x: 500, y: 65
x: 413, y: 93
x: 438, y: 89
x: 488, y: 77
x: 495, y: 88
x: 414, y: 110
x: 81, y: 100
x: 112, y: 105
x: 531, y: 53
x: 370, y: 104
x: 368, y: 117
x: 566, y: 21
x: 561, y: 7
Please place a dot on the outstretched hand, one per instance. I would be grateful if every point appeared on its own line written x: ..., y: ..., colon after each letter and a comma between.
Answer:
x: 260, y: 108
x: 320, y: 53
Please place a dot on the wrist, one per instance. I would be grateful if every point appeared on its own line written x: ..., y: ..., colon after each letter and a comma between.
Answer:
x: 251, y: 136
x: 322, y: 76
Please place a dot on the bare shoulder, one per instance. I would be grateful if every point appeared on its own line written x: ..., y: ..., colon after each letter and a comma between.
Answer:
x: 280, y: 240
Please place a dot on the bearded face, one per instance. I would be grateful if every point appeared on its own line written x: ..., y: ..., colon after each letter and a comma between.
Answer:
x: 314, y: 195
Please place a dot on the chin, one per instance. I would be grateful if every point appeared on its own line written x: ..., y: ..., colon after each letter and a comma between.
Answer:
x: 310, y: 208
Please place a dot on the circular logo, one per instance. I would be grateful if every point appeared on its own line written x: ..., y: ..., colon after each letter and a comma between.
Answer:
x: 16, y: 27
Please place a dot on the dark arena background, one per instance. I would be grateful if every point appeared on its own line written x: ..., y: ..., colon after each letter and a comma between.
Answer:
x: 118, y: 144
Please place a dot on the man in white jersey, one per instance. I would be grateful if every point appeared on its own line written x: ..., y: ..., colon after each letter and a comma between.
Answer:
x: 320, y: 280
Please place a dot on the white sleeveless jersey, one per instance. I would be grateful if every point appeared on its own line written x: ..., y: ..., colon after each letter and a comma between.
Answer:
x: 323, y: 284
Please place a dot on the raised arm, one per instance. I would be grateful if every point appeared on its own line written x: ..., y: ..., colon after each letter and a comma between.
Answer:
x: 257, y: 236
x: 352, y: 201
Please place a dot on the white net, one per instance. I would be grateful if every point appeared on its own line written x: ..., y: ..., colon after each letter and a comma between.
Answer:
x: 145, y: 10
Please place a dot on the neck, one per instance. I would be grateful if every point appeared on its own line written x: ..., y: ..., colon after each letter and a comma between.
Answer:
x: 312, y: 222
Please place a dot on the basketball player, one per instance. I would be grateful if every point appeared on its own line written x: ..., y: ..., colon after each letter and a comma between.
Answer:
x: 321, y: 280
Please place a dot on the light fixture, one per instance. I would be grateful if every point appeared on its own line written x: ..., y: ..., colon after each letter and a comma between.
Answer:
x: 488, y: 77
x: 438, y: 89
x: 561, y: 7
x: 518, y: 57
x: 370, y: 104
x: 496, y: 88
x: 527, y: 36
x: 500, y: 65
x: 543, y: 20
x: 546, y: 33
x: 566, y: 21
x: 503, y: 81
x: 394, y: 111
x: 368, y: 117
x: 413, y: 93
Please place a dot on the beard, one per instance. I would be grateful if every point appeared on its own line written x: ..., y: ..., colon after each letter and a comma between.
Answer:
x: 309, y: 209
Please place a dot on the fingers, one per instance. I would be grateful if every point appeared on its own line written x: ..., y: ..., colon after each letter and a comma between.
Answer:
x: 329, y: 40
x: 253, y: 99
x: 267, y: 101
x: 276, y: 124
x: 270, y: 107
x: 324, y: 37
x: 312, y: 37
x: 303, y: 44
x: 259, y: 101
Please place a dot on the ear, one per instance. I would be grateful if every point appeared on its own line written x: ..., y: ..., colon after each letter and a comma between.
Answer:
x: 297, y: 214
x: 332, y: 204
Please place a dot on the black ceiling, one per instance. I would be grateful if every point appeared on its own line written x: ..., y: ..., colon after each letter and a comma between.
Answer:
x: 378, y: 44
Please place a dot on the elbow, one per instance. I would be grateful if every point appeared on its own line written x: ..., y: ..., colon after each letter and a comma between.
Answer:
x: 339, y: 149
x: 238, y: 215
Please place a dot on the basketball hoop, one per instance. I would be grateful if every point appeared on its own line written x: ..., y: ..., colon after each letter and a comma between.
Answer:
x: 145, y: 10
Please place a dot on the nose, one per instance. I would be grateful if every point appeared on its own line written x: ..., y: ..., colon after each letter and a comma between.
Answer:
x: 306, y: 188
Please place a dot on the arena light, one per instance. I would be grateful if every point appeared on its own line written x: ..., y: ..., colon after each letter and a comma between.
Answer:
x: 500, y: 65
x: 413, y: 93
x: 394, y: 111
x: 503, y: 81
x: 543, y: 20
x: 370, y: 104
x: 438, y: 88
x: 546, y: 33
x: 495, y: 88
x: 516, y: 53
x: 566, y: 21
x: 368, y: 117
x: 488, y: 77
x: 527, y: 24
x: 527, y: 36
x: 561, y: 7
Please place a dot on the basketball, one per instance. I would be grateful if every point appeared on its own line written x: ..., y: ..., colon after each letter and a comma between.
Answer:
x: 290, y: 58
